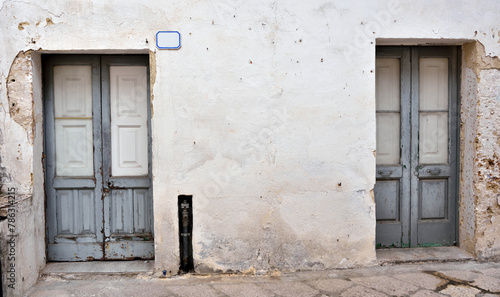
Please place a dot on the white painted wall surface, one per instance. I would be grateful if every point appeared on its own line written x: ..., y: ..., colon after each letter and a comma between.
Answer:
x: 266, y: 114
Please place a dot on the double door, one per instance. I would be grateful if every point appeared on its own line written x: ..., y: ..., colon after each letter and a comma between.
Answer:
x: 98, y: 157
x: 416, y: 110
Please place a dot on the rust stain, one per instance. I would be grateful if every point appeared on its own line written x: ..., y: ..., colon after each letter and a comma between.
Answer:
x: 22, y: 25
x: 49, y: 22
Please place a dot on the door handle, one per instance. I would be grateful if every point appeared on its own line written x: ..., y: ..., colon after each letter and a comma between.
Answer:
x: 434, y: 171
x: 385, y: 173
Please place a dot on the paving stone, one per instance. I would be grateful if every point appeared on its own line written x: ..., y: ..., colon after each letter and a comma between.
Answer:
x: 427, y: 293
x: 359, y: 291
x: 243, y: 290
x: 331, y: 285
x: 493, y: 272
x: 51, y: 293
x: 388, y: 285
x: 197, y: 290
x: 488, y: 283
x: 290, y: 289
x: 460, y: 291
x: 394, y: 280
x: 422, y: 280
x: 463, y: 275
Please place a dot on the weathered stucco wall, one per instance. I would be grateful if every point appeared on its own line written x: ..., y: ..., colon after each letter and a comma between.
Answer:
x: 22, y: 234
x: 265, y: 115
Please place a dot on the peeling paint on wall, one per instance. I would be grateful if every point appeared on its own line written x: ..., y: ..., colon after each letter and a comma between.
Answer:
x: 20, y: 93
x: 476, y: 59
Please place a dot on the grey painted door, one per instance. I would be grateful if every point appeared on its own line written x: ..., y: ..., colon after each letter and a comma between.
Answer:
x: 98, y: 164
x: 416, y: 188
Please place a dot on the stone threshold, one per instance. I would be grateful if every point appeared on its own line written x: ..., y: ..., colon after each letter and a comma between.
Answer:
x: 422, y: 254
x: 98, y: 268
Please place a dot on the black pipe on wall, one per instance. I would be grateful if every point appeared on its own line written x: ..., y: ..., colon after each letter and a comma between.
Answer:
x: 185, y: 206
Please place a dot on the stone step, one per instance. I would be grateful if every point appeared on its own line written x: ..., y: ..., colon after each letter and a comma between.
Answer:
x: 422, y: 254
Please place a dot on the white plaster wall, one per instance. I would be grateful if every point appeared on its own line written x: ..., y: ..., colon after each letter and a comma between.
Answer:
x: 265, y: 115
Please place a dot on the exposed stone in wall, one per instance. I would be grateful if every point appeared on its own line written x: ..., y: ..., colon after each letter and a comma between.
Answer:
x: 20, y: 92
x: 488, y: 167
x: 152, y: 76
x: 486, y: 179
x: 468, y: 130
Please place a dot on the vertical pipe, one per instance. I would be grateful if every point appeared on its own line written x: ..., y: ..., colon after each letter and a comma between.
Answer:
x: 185, y: 213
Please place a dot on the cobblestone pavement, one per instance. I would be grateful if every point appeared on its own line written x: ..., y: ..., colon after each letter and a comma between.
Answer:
x: 430, y: 279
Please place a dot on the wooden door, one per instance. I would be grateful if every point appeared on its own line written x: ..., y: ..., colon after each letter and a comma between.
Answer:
x: 415, y: 193
x: 392, y: 189
x: 434, y: 146
x: 127, y: 165
x: 98, y: 187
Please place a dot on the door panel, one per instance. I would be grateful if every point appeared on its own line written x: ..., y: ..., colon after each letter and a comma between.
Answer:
x: 388, y: 107
x: 388, y: 84
x: 129, y: 135
x: 82, y: 224
x: 75, y: 211
x: 387, y: 200
x: 433, y: 138
x: 74, y: 147
x: 415, y: 200
x: 433, y: 85
x: 388, y: 135
x: 433, y: 202
x: 73, y: 120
